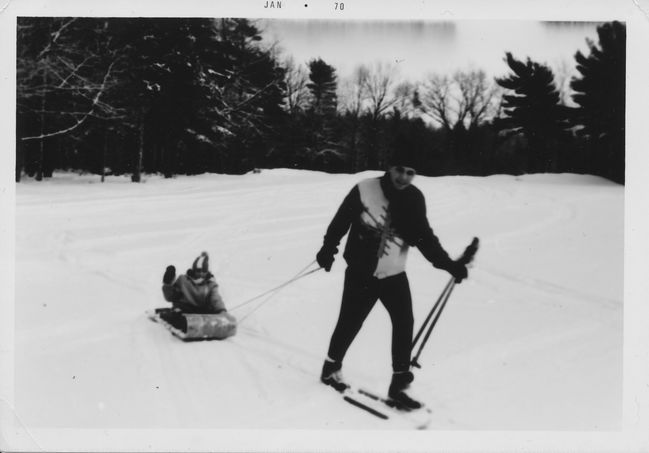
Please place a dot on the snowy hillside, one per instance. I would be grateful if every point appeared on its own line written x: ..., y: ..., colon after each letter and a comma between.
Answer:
x: 532, y: 341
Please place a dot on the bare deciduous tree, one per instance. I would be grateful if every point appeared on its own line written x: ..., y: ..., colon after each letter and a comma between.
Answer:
x: 371, y: 90
x: 79, y: 77
x: 477, y: 97
x: 353, y: 92
x: 297, y: 93
x: 352, y: 98
x: 61, y: 80
x: 406, y: 99
x: 436, y: 100
x: 379, y: 84
x: 466, y: 98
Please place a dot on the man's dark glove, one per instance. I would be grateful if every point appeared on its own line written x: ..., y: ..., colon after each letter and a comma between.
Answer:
x: 325, y: 257
x: 169, y: 276
x: 458, y: 271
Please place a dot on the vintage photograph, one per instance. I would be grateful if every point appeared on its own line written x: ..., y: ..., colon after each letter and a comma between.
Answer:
x: 316, y: 225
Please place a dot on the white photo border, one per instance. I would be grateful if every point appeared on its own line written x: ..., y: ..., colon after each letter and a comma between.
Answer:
x: 633, y: 436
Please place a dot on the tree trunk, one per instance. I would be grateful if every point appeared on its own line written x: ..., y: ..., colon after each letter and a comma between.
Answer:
x: 372, y: 162
x: 41, y: 143
x: 137, y: 173
x: 354, y: 147
x: 104, y: 153
x: 19, y: 159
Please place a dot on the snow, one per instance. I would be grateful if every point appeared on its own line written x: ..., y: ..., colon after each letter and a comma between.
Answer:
x: 533, y: 341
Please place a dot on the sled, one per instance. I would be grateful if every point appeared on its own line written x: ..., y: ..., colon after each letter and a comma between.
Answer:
x: 193, y: 326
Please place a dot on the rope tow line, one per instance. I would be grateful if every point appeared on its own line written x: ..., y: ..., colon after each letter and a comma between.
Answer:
x: 273, y: 291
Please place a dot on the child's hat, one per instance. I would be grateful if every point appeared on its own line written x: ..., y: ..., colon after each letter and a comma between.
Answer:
x: 201, y: 263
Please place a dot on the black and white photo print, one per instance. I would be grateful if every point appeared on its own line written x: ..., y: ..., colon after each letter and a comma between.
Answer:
x: 324, y: 226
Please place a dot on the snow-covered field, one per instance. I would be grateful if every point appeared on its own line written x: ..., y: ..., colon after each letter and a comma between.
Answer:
x: 532, y: 341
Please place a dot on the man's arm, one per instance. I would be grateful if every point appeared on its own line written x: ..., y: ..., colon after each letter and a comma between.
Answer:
x: 426, y: 240
x: 349, y: 208
x: 340, y: 224
x: 429, y: 246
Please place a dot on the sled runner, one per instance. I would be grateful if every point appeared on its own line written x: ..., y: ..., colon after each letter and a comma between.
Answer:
x: 192, y: 326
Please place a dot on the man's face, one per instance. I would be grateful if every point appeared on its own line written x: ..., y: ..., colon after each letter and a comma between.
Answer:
x: 401, y: 177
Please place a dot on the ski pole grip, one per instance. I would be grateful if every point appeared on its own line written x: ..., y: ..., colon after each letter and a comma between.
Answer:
x: 470, y: 252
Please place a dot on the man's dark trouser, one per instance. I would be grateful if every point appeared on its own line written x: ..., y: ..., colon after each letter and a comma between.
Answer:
x: 360, y: 293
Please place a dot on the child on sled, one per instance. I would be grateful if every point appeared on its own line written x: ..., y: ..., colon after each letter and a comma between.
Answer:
x: 196, y: 291
x: 198, y: 311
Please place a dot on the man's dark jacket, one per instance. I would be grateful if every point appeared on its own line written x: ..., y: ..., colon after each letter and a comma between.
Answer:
x: 407, y: 210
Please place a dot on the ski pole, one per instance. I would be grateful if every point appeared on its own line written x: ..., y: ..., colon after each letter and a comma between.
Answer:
x: 465, y: 259
x: 430, y: 314
x: 415, y: 360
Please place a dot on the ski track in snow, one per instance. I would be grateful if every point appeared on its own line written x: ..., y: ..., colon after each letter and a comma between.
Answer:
x: 533, y: 340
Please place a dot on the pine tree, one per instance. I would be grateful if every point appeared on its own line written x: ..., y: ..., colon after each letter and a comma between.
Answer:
x: 324, y: 147
x: 167, y: 92
x: 202, y: 95
x: 323, y: 84
x: 250, y: 93
x: 600, y: 95
x: 533, y: 110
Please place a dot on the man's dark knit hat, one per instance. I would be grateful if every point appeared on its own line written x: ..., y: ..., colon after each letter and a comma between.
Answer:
x: 404, y: 154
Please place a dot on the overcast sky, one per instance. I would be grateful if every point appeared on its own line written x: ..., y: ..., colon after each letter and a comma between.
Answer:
x: 419, y: 48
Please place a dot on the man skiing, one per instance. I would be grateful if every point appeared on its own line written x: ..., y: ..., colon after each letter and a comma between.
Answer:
x: 384, y: 217
x: 193, y: 292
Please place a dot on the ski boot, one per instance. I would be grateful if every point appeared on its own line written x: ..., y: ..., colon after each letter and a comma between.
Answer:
x: 397, y: 396
x: 332, y: 376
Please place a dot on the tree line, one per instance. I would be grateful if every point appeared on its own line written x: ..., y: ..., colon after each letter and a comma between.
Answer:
x: 188, y: 96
